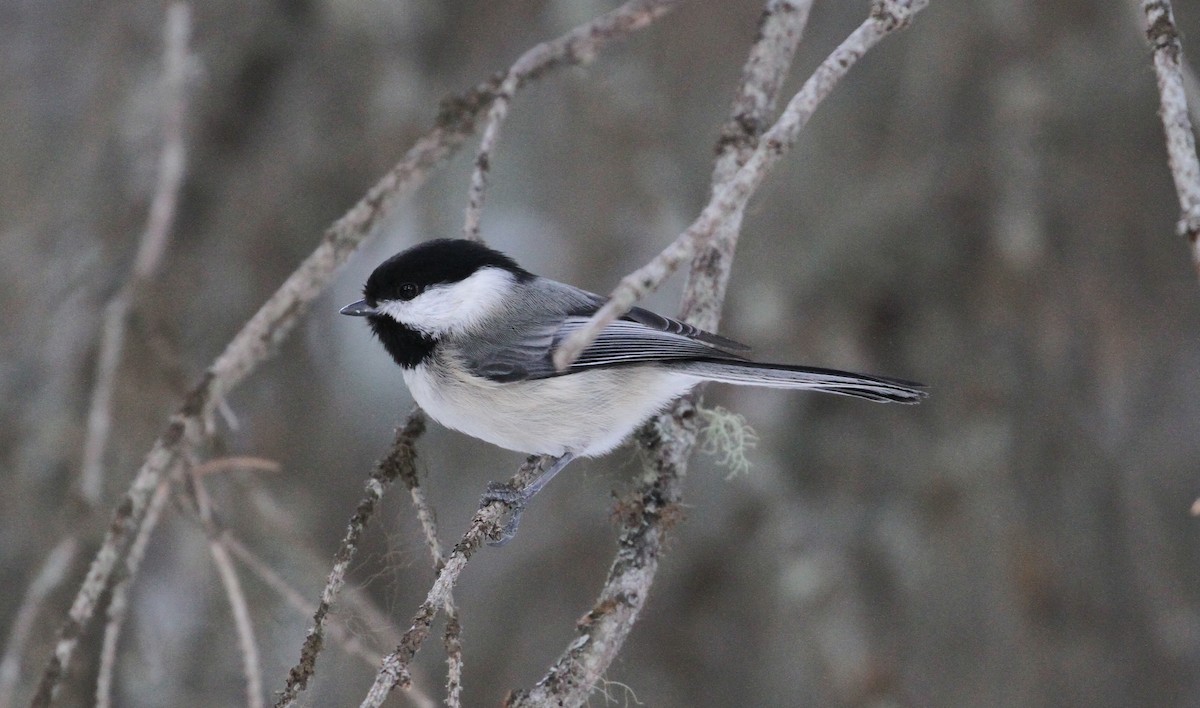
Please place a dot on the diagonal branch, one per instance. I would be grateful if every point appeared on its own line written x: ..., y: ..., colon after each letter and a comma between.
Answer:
x: 886, y: 17
x: 1181, y: 142
x: 451, y: 638
x: 232, y: 584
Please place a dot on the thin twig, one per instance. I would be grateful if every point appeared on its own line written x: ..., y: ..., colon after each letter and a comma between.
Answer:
x: 240, y: 609
x: 51, y: 574
x: 491, y: 135
x: 153, y: 243
x: 336, y: 630
x: 886, y: 17
x: 426, y: 518
x: 579, y: 46
x: 118, y: 605
x: 264, y: 572
x: 669, y: 439
x: 1181, y: 142
x: 251, y: 664
x: 401, y: 458
x: 127, y: 520
x: 485, y: 526
x: 451, y: 639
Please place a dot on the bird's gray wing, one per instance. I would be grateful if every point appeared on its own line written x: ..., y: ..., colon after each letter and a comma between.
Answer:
x: 523, y: 349
x: 521, y: 354
x: 633, y: 342
x: 621, y: 343
x: 658, y: 322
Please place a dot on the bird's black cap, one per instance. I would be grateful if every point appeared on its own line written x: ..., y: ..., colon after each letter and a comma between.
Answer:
x: 435, y: 262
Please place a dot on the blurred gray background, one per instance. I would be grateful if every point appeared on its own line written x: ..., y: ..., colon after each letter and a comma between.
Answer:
x: 983, y: 205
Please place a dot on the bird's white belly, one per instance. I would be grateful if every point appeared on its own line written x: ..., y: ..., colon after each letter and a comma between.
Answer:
x: 587, y: 413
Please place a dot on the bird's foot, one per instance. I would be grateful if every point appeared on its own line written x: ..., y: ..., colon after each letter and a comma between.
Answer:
x: 511, y: 497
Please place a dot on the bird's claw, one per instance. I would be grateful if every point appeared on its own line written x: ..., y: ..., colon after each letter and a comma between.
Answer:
x: 502, y: 492
x: 514, y: 499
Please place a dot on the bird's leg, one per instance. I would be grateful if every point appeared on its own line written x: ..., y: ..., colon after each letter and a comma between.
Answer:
x: 517, y: 499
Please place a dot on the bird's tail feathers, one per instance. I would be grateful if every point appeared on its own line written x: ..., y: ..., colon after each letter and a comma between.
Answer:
x: 843, y: 383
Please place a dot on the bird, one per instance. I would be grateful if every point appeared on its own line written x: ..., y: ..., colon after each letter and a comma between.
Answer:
x: 474, y: 335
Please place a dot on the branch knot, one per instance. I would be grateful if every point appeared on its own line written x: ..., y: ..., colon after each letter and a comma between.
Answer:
x: 896, y: 14
x: 1160, y: 27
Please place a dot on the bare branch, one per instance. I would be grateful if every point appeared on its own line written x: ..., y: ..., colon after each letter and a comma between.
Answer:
x: 150, y: 249
x: 127, y: 519
x: 579, y: 46
x: 232, y: 545
x: 425, y: 517
x: 728, y: 203
x: 400, y: 460
x: 452, y: 641
x: 251, y: 664
x: 454, y: 661
x: 261, y: 336
x: 1181, y: 142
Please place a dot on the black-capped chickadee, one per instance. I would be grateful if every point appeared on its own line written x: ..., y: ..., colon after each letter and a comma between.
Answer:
x: 474, y: 334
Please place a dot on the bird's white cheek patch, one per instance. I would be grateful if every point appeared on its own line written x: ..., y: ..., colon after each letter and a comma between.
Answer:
x: 452, y: 307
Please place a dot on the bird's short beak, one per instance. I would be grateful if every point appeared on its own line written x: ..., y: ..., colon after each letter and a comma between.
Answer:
x: 358, y: 309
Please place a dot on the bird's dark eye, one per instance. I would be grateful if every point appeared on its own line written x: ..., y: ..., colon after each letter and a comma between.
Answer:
x: 409, y: 290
